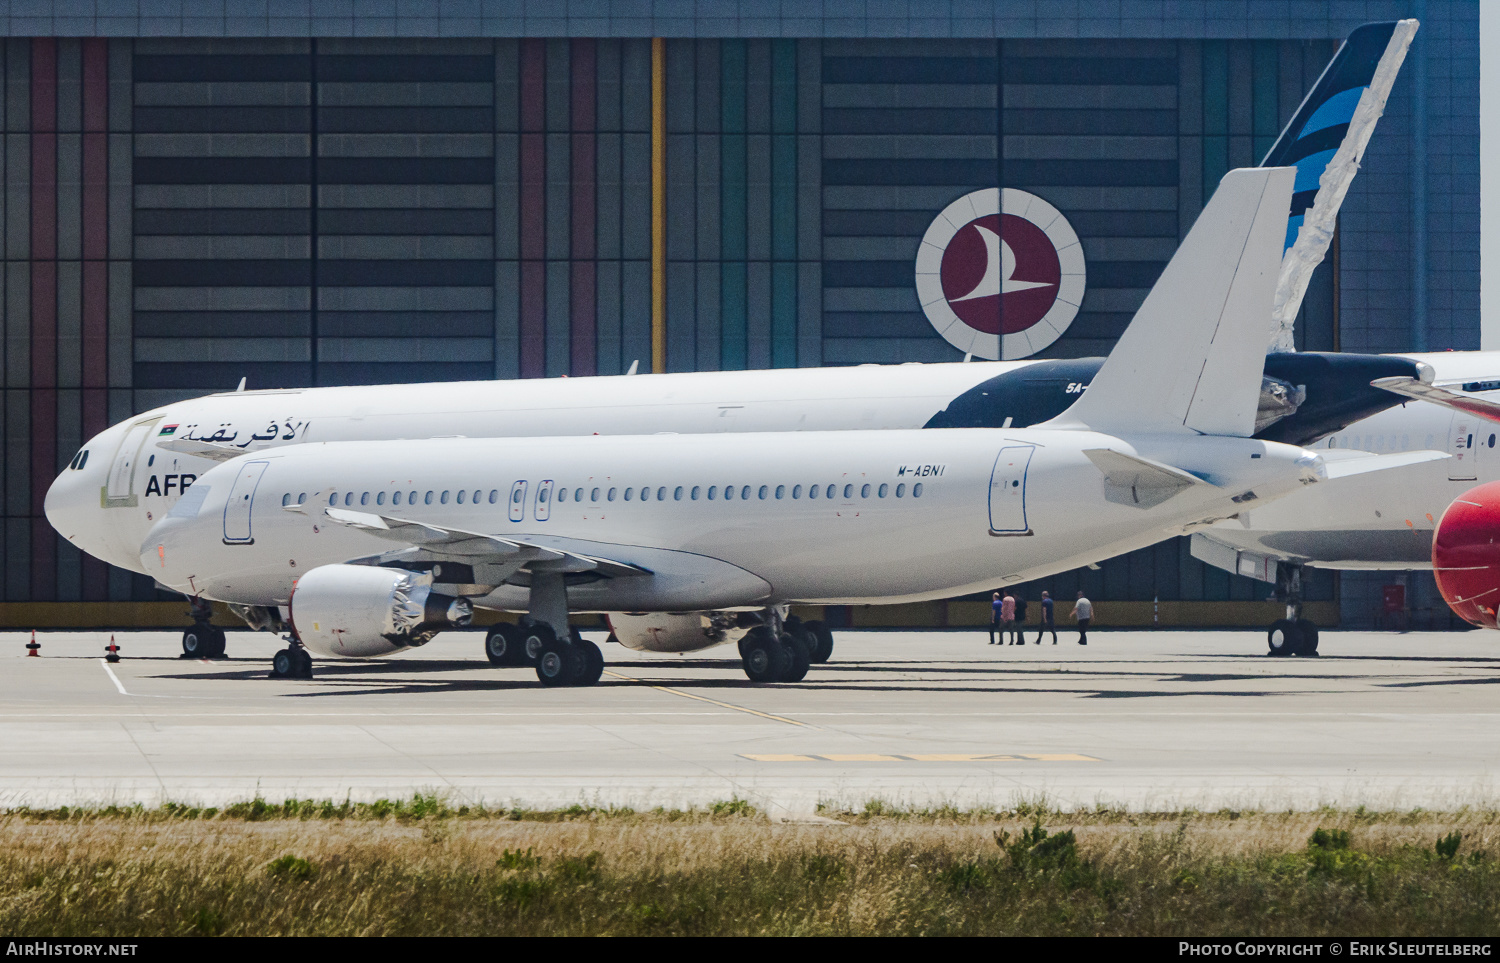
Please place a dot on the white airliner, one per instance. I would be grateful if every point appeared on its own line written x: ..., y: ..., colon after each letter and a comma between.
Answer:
x: 136, y: 471
x: 376, y: 545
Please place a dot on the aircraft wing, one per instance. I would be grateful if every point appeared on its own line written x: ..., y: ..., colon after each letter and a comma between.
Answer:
x: 477, y: 549
x: 1441, y: 395
x: 201, y: 449
x: 1341, y: 463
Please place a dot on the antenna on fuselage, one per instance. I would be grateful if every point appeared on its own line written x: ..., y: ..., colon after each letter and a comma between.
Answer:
x: 241, y: 385
x: 633, y: 366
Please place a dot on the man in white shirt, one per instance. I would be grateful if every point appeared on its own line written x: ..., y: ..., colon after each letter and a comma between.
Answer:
x: 1083, y: 613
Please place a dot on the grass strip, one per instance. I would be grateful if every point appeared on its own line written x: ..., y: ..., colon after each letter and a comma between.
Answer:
x: 423, y: 866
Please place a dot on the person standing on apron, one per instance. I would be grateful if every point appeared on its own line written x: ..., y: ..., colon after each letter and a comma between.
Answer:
x: 994, y: 616
x: 1083, y: 612
x: 1007, y: 619
x: 1020, y: 623
x: 1048, y: 625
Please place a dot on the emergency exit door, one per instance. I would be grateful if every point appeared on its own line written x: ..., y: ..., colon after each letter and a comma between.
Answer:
x: 1008, y: 491
x: 1462, y: 445
x: 237, y: 528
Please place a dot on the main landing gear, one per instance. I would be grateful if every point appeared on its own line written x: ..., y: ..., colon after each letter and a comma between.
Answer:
x: 203, y: 640
x: 783, y: 648
x: 544, y: 639
x: 1292, y: 635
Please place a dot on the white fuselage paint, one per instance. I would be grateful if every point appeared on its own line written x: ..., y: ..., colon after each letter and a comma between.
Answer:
x: 797, y: 399
x: 713, y: 553
x: 865, y: 397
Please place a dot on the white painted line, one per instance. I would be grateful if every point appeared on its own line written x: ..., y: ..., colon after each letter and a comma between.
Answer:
x: 113, y: 678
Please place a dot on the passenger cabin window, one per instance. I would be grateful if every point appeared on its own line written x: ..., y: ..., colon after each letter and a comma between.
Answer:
x: 594, y: 495
x: 916, y: 490
x: 443, y: 498
x: 396, y: 499
x: 364, y: 498
x: 712, y: 491
x: 286, y: 499
x: 812, y: 491
x: 380, y: 498
x: 661, y: 493
x: 628, y: 493
x: 611, y: 495
x: 848, y: 491
x: 780, y: 491
x: 832, y: 490
x: 696, y: 489
x: 796, y: 491
x: 562, y: 494
x: 427, y: 499
x: 901, y: 490
x: 864, y: 491
x: 677, y: 494
x: 461, y: 497
x: 883, y: 489
x: 494, y: 495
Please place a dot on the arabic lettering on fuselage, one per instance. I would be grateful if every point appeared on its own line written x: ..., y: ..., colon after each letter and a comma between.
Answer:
x: 225, y: 433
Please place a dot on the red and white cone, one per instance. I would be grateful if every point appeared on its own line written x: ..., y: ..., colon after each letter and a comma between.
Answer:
x: 112, y: 651
x: 33, y: 648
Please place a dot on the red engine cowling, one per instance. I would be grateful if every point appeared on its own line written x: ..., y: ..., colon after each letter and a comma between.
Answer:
x: 1466, y: 555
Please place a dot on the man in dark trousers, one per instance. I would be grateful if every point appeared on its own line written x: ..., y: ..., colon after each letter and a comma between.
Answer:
x: 1020, y: 622
x: 1083, y: 612
x: 1048, y: 625
x: 994, y: 616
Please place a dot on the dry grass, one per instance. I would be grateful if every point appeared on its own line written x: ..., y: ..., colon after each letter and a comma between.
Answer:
x: 423, y: 868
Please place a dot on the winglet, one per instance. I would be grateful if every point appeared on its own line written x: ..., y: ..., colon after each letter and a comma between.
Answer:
x: 1193, y: 356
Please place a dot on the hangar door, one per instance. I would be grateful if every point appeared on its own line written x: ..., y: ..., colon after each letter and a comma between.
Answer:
x: 1008, y: 491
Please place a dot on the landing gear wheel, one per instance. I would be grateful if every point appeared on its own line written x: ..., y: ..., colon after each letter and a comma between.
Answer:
x: 533, y: 637
x: 823, y: 651
x: 559, y: 661
x: 502, y: 645
x: 1284, y: 638
x: 216, y: 643
x: 198, y: 641
x: 765, y: 659
x: 291, y: 663
x: 1309, y: 632
x: 593, y: 662
x: 798, y: 661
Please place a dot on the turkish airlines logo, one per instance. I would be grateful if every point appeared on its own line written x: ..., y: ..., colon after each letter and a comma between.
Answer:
x: 1000, y: 283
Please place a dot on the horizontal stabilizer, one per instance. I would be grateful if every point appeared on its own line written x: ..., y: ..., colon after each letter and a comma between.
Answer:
x: 1193, y: 356
x: 1141, y: 482
x: 1340, y: 464
x: 1441, y: 395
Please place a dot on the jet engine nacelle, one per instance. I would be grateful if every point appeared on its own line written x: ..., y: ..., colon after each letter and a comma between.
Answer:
x: 1466, y: 555
x: 678, y: 631
x: 361, y: 610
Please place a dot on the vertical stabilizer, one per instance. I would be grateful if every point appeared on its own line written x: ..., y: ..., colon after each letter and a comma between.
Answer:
x: 1325, y: 141
x: 1192, y: 358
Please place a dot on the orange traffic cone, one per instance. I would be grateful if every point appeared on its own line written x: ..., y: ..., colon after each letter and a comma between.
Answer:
x: 32, y: 647
x: 112, y: 650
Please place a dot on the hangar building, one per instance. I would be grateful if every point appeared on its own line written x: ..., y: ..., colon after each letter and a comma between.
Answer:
x: 362, y: 191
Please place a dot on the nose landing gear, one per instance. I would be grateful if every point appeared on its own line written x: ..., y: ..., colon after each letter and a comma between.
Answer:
x: 292, y: 662
x: 203, y: 640
x: 1292, y: 635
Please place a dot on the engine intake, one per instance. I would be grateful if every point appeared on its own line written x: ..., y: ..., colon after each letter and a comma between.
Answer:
x: 1466, y: 555
x: 362, y: 611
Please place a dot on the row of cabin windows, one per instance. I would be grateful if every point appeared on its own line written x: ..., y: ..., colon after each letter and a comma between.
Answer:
x: 729, y: 492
